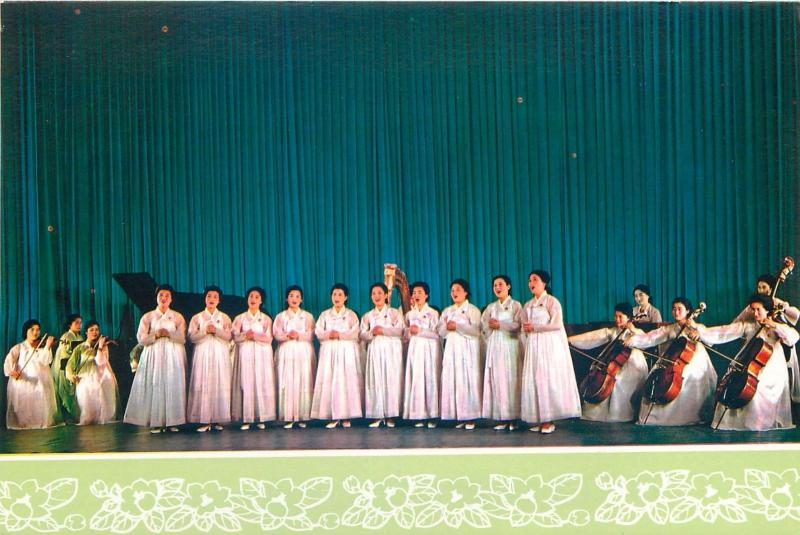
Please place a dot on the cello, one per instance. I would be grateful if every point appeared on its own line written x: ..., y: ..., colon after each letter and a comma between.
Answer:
x: 740, y: 382
x: 666, y: 378
x: 599, y: 382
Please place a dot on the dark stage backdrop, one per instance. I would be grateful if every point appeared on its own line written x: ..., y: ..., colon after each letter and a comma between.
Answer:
x: 271, y: 144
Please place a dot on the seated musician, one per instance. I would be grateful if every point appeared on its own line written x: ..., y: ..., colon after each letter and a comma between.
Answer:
x: 622, y: 403
x: 765, y: 284
x: 770, y: 406
x: 694, y: 400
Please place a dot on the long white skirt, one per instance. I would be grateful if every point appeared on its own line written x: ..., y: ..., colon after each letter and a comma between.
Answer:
x: 795, y: 370
x: 770, y: 407
x: 158, y: 393
x: 423, y: 369
x: 253, y: 385
x: 337, y: 391
x: 98, y: 395
x: 619, y: 407
x: 549, y: 389
x: 694, y: 403
x: 295, y: 363
x: 501, y: 378
x: 210, y: 386
x: 383, y: 379
x: 461, y: 378
x: 31, y: 399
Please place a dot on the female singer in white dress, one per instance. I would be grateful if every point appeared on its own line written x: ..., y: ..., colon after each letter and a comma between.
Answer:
x: 31, y: 395
x: 501, y: 325
x: 622, y: 405
x: 770, y: 407
x: 695, y: 400
x: 295, y: 360
x: 549, y: 389
x: 210, y: 387
x: 423, y: 359
x: 90, y: 371
x: 158, y: 393
x: 460, y: 326
x: 253, y: 385
x: 340, y: 383
x: 382, y: 329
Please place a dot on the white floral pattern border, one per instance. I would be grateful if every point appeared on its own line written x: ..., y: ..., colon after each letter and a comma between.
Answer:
x: 408, y: 502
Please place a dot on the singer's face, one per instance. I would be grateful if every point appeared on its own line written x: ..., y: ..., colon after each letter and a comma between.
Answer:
x: 294, y: 299
x: 458, y: 294
x: 620, y: 319
x: 759, y: 311
x: 93, y: 333
x: 75, y: 326
x: 500, y: 288
x: 254, y: 299
x: 536, y: 284
x: 338, y: 298
x: 33, y: 332
x: 212, y: 300
x: 641, y: 298
x: 378, y: 296
x: 419, y: 296
x: 763, y: 288
x: 164, y: 298
x: 679, y: 311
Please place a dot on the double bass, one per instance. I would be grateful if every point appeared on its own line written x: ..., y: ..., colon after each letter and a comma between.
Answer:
x: 666, y: 378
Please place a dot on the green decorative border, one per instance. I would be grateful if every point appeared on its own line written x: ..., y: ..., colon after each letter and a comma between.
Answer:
x: 609, y: 490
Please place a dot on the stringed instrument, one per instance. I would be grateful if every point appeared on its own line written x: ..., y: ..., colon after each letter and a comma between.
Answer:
x: 665, y: 380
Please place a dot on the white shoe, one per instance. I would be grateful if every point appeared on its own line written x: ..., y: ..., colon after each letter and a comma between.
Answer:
x: 301, y: 425
x: 218, y: 427
x: 535, y: 429
x: 460, y: 426
x: 346, y: 423
x: 500, y: 427
x: 332, y: 425
x: 431, y: 425
x: 419, y: 424
x: 390, y: 423
x: 512, y: 427
x: 203, y: 428
x: 548, y: 428
x: 261, y: 426
x: 245, y: 427
x: 375, y: 423
x: 470, y: 426
x: 288, y: 425
x: 155, y: 430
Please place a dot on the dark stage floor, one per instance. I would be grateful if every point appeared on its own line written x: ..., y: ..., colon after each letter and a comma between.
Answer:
x: 127, y: 438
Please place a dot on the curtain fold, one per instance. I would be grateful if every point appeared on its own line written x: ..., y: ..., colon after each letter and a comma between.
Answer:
x: 271, y: 144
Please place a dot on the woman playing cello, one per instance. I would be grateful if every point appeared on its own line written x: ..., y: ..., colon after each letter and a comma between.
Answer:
x: 694, y: 400
x: 770, y: 406
x: 629, y: 371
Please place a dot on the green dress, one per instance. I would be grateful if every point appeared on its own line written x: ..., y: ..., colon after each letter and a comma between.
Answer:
x: 65, y: 390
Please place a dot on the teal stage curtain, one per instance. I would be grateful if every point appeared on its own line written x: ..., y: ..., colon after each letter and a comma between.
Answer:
x: 270, y: 144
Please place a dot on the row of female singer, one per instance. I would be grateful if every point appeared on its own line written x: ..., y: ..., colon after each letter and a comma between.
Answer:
x: 527, y: 375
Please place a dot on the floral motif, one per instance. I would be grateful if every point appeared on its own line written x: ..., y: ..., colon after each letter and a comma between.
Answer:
x: 393, y: 498
x: 647, y: 494
x: 29, y: 506
x: 456, y: 502
x: 147, y: 502
x: 534, y: 500
x: 282, y: 504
